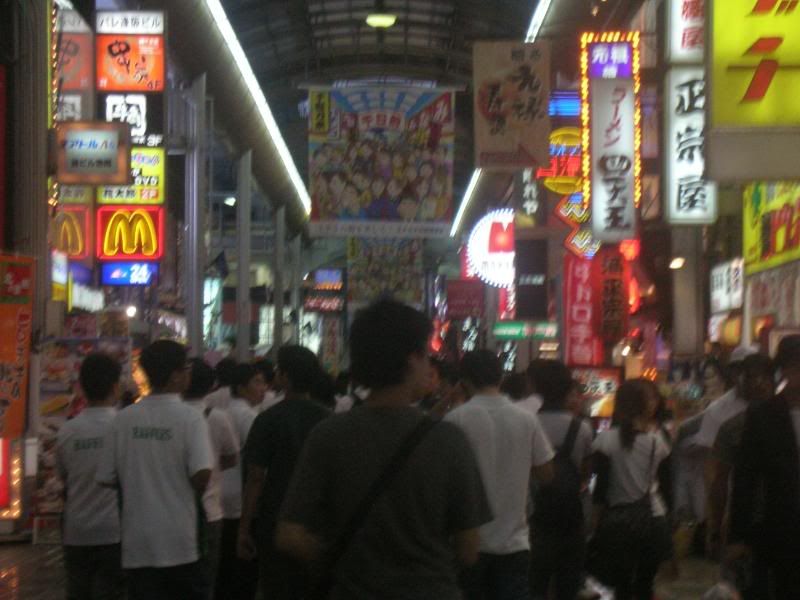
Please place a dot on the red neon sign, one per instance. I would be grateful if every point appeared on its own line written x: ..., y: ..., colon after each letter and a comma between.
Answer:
x: 130, y: 232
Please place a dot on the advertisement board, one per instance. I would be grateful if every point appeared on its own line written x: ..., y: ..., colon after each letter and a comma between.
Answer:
x: 143, y: 112
x: 770, y: 225
x: 131, y: 233
x: 727, y: 286
x: 92, y: 153
x: 598, y: 388
x: 491, y: 249
x: 377, y: 268
x: 130, y: 63
x: 72, y: 231
x: 136, y: 22
x: 583, y: 344
x: 465, y: 298
x: 686, y: 31
x: 146, y: 173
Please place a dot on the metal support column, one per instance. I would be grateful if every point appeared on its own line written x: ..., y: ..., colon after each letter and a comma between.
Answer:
x: 687, y: 293
x: 195, y: 201
x: 277, y: 278
x: 243, y: 200
x: 297, y: 279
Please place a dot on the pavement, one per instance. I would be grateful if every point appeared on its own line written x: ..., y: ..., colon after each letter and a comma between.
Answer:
x: 29, y: 572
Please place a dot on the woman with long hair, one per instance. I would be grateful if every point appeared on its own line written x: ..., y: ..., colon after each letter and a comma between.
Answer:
x: 628, y: 544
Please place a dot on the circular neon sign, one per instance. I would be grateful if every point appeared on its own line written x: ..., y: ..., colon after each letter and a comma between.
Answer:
x: 490, y: 249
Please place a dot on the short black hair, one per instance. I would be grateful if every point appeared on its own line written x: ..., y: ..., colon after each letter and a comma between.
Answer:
x: 225, y: 372
x: 553, y: 382
x: 515, y: 386
x: 758, y: 365
x: 447, y: 370
x: 242, y: 375
x: 481, y: 368
x: 201, y: 381
x: 267, y: 368
x: 301, y: 367
x: 98, y: 375
x: 160, y: 360
x: 788, y: 351
x: 382, y: 338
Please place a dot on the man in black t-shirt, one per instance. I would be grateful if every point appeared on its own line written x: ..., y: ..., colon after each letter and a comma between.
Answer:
x: 272, y: 448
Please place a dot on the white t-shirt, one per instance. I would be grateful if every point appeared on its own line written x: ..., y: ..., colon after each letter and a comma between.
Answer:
x: 219, y: 398
x: 91, y: 511
x: 532, y: 403
x: 556, y: 424
x: 718, y: 412
x: 224, y: 442
x: 270, y: 400
x: 242, y: 416
x: 508, y: 441
x: 632, y: 475
x: 155, y: 447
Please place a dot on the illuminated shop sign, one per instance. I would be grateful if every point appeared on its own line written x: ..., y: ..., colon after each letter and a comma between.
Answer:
x: 490, y: 249
x: 686, y: 31
x: 523, y: 330
x: 324, y: 304
x: 147, y: 175
x: 84, y: 297
x: 727, y: 286
x: 143, y: 112
x: 133, y: 22
x: 92, y: 153
x: 130, y: 232
x: 71, y: 225
x: 611, y: 134
x: 130, y: 63
x: 328, y: 279
x: 128, y: 273
x: 771, y: 225
x: 563, y: 174
x: 573, y: 212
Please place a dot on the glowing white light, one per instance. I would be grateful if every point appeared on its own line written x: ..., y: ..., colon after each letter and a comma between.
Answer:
x: 539, y: 15
x: 677, y: 263
x: 493, y: 268
x: 381, y: 20
x: 230, y: 201
x: 130, y: 311
x: 250, y: 80
x: 473, y: 182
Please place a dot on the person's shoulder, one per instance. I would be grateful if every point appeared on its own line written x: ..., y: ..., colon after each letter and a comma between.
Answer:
x: 68, y: 429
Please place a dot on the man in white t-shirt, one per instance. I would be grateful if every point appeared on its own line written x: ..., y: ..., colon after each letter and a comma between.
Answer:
x: 510, y: 445
x: 225, y: 445
x: 91, y: 532
x: 160, y: 456
x: 225, y: 371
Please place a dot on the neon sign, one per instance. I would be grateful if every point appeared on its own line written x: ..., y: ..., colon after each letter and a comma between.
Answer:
x: 490, y: 249
x: 71, y: 228
x: 130, y: 232
x: 563, y: 175
x: 128, y: 273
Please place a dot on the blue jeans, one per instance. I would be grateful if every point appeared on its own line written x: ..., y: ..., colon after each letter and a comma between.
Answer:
x: 498, y: 577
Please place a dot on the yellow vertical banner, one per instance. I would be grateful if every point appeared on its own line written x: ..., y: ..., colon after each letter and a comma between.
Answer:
x: 320, y: 107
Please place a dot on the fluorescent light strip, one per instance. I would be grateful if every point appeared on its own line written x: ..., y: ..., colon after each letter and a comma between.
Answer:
x: 473, y: 183
x: 246, y: 71
x: 537, y: 19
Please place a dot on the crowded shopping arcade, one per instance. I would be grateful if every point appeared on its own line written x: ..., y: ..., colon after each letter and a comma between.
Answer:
x: 268, y: 267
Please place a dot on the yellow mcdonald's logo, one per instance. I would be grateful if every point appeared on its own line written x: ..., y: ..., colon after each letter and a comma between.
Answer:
x: 69, y: 234
x: 130, y: 232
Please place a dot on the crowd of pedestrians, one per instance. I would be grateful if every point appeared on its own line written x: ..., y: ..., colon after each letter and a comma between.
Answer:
x: 413, y: 478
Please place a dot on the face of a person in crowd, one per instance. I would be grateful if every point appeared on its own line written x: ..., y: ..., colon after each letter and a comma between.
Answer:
x: 255, y: 389
x: 712, y: 381
x: 419, y: 375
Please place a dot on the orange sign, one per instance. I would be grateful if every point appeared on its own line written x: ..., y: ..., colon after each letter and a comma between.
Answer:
x: 130, y: 63
x: 130, y: 232
x: 16, y: 317
x: 75, y: 61
x: 71, y: 231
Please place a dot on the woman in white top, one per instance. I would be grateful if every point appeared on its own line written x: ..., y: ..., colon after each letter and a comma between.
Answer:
x: 629, y: 542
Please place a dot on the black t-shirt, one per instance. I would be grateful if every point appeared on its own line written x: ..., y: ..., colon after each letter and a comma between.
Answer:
x: 403, y: 550
x: 274, y: 443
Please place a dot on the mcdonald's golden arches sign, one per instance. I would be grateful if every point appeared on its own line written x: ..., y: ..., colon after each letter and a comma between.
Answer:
x: 130, y: 232
x: 71, y: 234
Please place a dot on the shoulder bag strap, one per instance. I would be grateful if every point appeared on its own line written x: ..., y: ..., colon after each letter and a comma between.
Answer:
x: 376, y: 490
x: 569, y: 440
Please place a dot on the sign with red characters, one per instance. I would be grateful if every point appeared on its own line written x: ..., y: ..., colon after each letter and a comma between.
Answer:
x: 583, y: 344
x: 611, y: 278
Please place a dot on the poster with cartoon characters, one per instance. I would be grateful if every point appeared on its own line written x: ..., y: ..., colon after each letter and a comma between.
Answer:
x: 384, y: 268
x: 381, y: 161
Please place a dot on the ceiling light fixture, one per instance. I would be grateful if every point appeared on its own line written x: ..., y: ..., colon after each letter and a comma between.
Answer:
x: 230, y: 201
x: 462, y: 208
x: 381, y: 20
x: 257, y: 94
x: 131, y: 311
x: 677, y: 263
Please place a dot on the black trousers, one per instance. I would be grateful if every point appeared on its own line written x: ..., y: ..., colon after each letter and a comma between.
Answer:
x: 236, y: 579
x: 94, y: 572
x: 498, y: 577
x: 187, y: 582
x: 281, y: 577
x: 557, y: 559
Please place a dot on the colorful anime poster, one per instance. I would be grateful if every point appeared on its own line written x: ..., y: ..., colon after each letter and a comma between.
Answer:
x: 381, y: 162
x: 384, y: 268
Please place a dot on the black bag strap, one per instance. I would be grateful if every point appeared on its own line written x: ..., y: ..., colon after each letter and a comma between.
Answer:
x: 569, y: 440
x: 376, y: 490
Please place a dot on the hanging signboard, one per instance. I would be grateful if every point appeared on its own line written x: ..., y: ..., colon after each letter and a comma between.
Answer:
x: 147, y: 175
x: 583, y: 345
x: 139, y: 22
x: 130, y: 63
x: 611, y: 280
x: 128, y: 273
x: 16, y: 319
x: 686, y: 31
x: 511, y: 104
x: 611, y: 119
x: 727, y: 286
x: 525, y: 330
x: 381, y: 161
x: 490, y: 249
x: 130, y: 232
x: 143, y: 112
x: 563, y: 174
x: 92, y: 153
x: 377, y: 268
x: 691, y: 199
x: 754, y: 64
x: 771, y: 233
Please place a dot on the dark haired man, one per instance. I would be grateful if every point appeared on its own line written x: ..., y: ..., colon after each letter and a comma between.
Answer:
x: 510, y: 446
x: 225, y: 375
x: 426, y: 515
x: 270, y: 455
x: 160, y: 457
x: 91, y: 532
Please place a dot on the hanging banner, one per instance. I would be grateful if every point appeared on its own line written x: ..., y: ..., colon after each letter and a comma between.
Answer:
x: 381, y: 162
x: 770, y: 225
x: 691, y: 200
x: 130, y: 63
x: 686, y: 31
x: 16, y: 319
x: 611, y: 277
x: 727, y: 286
x: 611, y: 115
x: 583, y: 345
x: 754, y: 64
x: 377, y: 268
x: 511, y: 104
x: 147, y: 175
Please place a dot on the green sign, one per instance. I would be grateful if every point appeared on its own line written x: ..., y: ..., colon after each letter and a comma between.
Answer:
x: 523, y: 330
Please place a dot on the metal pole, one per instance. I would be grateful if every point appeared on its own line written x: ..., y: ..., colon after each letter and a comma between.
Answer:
x: 297, y: 277
x: 277, y: 279
x: 195, y: 204
x: 243, y: 257
x: 687, y: 290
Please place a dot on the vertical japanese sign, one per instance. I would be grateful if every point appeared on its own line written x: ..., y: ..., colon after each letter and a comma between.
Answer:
x: 512, y: 91
x: 3, y: 124
x: 74, y: 67
x: 16, y: 318
x: 611, y: 279
x: 611, y: 119
x: 381, y: 161
x: 691, y: 199
x: 583, y: 345
x: 686, y: 31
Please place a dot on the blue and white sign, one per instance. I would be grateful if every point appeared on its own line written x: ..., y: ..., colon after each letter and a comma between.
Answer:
x: 128, y: 273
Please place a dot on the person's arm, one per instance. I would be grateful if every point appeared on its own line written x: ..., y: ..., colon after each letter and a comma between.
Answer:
x: 254, y: 484
x: 544, y: 473
x: 200, y: 480
x: 297, y: 541
x: 199, y: 455
x: 466, y: 545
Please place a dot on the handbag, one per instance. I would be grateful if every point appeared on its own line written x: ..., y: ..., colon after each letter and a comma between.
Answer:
x: 321, y: 589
